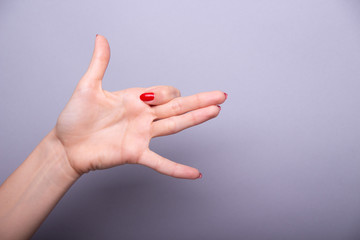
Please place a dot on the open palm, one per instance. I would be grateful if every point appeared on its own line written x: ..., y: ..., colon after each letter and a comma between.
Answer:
x: 101, y: 129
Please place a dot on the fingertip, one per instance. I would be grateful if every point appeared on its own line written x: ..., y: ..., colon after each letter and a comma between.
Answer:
x: 221, y: 98
x: 99, y: 36
x: 217, y: 96
x: 102, y: 48
x: 214, y: 112
x: 186, y: 172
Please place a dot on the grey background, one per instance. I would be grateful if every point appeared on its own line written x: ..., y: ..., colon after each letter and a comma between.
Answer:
x: 282, y: 161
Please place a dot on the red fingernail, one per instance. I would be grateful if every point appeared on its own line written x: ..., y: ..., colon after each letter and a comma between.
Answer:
x: 226, y: 95
x: 200, y: 176
x: 97, y: 34
x: 147, y: 97
x: 219, y: 107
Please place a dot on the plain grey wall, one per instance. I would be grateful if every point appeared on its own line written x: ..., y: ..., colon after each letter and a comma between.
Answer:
x: 282, y: 161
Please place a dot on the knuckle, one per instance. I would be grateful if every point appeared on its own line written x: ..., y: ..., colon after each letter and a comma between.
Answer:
x: 198, y: 100
x: 163, y: 92
x: 194, y: 117
x: 176, y: 107
x: 102, y: 57
x: 175, y: 169
x: 170, y: 92
x: 171, y: 126
x: 175, y: 92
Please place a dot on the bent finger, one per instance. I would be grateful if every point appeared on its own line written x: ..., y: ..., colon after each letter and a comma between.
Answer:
x: 178, y: 123
x: 167, y: 167
x: 158, y: 95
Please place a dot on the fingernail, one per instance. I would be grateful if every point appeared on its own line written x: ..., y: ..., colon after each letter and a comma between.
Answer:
x: 225, y: 95
x: 147, y: 97
x: 97, y: 35
x: 200, y: 176
x: 219, y: 107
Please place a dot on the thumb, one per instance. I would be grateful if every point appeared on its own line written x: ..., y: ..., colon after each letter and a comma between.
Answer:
x: 99, y: 62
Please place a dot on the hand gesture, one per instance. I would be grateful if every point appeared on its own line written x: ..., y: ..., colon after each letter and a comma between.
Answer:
x: 101, y: 129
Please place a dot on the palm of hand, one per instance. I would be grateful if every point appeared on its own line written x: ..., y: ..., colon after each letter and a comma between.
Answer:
x: 102, y: 129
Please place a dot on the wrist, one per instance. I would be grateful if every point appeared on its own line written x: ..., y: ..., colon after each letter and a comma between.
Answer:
x: 60, y: 158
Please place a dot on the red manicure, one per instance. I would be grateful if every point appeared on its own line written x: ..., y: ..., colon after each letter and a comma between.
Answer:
x: 147, y: 97
x: 226, y: 95
x: 219, y: 107
x: 200, y: 176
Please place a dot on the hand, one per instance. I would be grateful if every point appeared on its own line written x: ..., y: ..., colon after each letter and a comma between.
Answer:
x: 101, y: 129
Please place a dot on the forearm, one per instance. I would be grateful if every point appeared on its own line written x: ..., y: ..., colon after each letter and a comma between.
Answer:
x: 33, y: 190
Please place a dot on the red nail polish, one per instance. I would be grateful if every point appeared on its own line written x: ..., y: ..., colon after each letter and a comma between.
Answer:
x: 200, y: 176
x: 97, y: 34
x: 147, y: 97
x: 219, y: 107
x: 226, y: 95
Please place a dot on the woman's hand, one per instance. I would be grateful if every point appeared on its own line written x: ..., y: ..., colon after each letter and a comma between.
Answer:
x: 97, y: 130
x: 101, y: 129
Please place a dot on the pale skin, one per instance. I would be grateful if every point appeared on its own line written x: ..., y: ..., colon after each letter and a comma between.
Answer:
x: 97, y: 130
